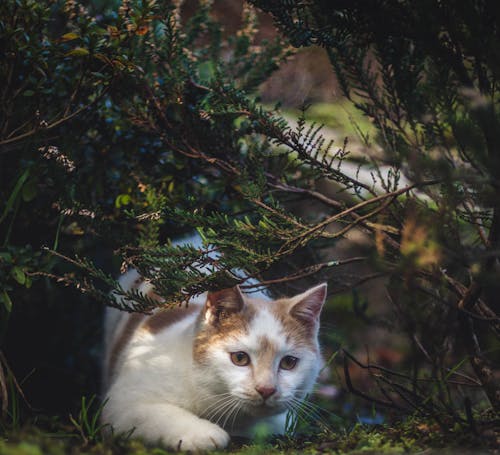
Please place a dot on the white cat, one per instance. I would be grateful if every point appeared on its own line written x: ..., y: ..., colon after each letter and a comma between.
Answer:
x: 190, y: 377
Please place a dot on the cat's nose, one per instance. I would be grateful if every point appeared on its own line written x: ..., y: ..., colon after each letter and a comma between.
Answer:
x: 265, y: 391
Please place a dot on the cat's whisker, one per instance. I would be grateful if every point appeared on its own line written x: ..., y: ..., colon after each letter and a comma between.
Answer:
x: 302, y: 411
x: 217, y: 395
x: 230, y: 412
x: 300, y: 414
x: 303, y: 414
x: 307, y: 406
x: 219, y: 410
x: 296, y: 412
x: 310, y: 411
x: 317, y: 407
x: 240, y: 406
x: 217, y: 401
x: 215, y: 416
x: 213, y: 408
x: 224, y: 410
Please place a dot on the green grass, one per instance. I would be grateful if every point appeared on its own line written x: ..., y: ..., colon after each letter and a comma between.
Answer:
x: 409, y: 436
x: 340, y: 116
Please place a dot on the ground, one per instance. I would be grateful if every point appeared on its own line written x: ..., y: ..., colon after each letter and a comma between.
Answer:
x: 410, y: 436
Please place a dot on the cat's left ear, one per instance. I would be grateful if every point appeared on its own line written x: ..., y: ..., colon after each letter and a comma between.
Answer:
x: 221, y: 304
x: 307, y: 306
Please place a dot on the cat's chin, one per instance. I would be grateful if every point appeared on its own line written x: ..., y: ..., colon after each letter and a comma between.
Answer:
x: 260, y: 409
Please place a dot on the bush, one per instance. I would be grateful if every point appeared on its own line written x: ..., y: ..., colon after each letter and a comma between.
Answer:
x: 142, y: 124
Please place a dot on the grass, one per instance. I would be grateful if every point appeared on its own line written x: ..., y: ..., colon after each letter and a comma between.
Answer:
x: 341, y: 118
x: 409, y: 436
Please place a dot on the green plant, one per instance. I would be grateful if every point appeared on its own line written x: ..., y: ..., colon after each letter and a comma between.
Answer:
x: 88, y: 423
x: 142, y: 123
x: 427, y: 81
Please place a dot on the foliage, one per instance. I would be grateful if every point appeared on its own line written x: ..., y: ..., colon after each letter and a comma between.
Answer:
x: 88, y: 421
x: 101, y: 109
x: 126, y: 125
x: 428, y: 81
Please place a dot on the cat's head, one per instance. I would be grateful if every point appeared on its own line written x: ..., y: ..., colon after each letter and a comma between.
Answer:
x: 263, y: 355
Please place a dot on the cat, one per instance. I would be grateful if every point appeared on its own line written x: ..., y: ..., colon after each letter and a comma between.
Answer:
x: 227, y: 364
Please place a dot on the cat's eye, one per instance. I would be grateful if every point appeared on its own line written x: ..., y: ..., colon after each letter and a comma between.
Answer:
x: 240, y: 358
x: 288, y: 362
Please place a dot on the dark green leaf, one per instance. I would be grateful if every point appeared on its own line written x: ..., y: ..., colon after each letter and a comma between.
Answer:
x: 5, y: 299
x: 18, y: 274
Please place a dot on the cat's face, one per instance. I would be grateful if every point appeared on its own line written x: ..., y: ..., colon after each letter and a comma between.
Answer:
x: 259, y: 357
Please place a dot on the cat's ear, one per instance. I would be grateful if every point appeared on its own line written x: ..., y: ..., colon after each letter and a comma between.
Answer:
x: 221, y: 304
x: 307, y: 306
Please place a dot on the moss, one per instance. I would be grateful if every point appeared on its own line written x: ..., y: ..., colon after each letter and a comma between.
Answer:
x: 411, y: 435
x: 23, y: 448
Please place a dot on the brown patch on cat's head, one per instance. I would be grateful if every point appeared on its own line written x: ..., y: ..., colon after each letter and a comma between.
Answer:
x: 263, y: 366
x: 222, y: 304
x: 267, y: 351
x: 226, y: 314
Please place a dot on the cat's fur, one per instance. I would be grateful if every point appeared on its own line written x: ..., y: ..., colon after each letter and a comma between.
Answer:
x: 171, y: 376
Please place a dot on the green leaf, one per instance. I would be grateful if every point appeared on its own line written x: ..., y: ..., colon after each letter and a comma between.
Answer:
x: 29, y: 191
x: 201, y: 234
x: 69, y: 36
x: 102, y: 31
x: 28, y: 93
x: 206, y: 71
x: 98, y: 75
x: 242, y: 45
x: 77, y: 52
x: 15, y: 192
x: 18, y: 274
x: 5, y: 256
x: 122, y: 199
x: 7, y: 303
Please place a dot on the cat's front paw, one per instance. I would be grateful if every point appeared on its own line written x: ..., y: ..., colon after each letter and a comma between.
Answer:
x: 204, y: 435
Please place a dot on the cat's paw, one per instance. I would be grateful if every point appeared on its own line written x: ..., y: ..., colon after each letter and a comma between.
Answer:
x: 204, y: 435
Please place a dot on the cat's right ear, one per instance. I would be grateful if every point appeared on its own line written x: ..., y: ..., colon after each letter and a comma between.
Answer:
x: 221, y: 304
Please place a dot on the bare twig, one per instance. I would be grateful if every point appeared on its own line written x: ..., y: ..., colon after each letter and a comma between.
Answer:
x: 307, y: 271
x: 357, y: 392
x: 4, y: 367
x: 54, y: 123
